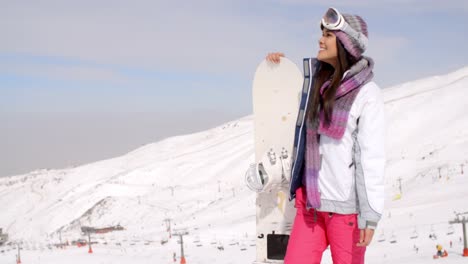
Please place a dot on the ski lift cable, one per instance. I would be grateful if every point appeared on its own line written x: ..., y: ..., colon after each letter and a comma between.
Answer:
x: 458, y: 214
x: 420, y: 225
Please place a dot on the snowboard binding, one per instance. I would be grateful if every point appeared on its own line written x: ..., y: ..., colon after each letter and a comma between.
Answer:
x: 263, y: 176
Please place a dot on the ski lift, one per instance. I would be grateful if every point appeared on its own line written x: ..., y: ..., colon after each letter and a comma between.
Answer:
x: 252, y: 243
x: 450, y: 230
x: 214, y: 242
x: 197, y: 242
x: 242, y: 246
x: 393, y: 239
x: 220, y: 246
x: 233, y: 242
x: 432, y: 235
x: 381, y: 237
x: 415, y: 234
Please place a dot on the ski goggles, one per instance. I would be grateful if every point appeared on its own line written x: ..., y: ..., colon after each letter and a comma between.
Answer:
x: 333, y: 20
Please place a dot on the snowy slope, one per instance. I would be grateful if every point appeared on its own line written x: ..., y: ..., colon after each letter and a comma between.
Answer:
x: 135, y: 190
x: 197, y: 181
x: 427, y: 148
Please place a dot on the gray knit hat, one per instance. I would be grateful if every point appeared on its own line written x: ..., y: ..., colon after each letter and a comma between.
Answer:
x: 355, y: 46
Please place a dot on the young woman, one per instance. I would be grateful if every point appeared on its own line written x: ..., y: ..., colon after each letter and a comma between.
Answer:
x: 337, y: 174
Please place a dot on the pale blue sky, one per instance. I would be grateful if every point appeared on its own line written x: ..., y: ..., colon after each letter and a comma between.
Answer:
x: 184, y: 65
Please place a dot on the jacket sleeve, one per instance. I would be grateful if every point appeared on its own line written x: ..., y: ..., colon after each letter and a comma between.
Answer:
x: 370, y: 166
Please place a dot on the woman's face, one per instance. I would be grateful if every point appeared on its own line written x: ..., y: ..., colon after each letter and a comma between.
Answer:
x: 328, y: 52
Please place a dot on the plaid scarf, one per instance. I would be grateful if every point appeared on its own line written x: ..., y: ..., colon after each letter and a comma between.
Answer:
x: 359, y: 74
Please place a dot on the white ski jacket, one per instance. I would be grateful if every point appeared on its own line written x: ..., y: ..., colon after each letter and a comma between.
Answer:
x: 351, y: 177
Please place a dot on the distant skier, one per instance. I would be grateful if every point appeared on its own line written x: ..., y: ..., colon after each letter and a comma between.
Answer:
x: 337, y: 173
x: 415, y: 248
x: 441, y: 253
x: 439, y: 250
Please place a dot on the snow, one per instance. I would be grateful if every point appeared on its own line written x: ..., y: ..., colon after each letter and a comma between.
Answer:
x: 197, y: 181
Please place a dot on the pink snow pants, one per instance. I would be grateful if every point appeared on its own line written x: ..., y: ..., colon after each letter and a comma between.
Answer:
x: 309, y: 239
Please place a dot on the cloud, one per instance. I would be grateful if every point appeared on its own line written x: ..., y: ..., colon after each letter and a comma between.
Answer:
x: 203, y: 37
x: 403, y: 6
x: 193, y: 36
x: 61, y: 72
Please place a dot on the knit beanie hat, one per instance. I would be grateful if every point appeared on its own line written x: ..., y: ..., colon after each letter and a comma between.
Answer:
x: 353, y: 45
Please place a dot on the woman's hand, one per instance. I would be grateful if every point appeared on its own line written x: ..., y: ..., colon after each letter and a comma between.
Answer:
x: 274, y: 57
x: 365, y: 237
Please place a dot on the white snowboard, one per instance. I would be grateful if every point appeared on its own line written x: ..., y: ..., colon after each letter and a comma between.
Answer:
x: 276, y: 94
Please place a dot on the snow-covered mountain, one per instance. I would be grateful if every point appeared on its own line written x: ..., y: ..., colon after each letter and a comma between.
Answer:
x: 197, y: 181
x: 188, y: 178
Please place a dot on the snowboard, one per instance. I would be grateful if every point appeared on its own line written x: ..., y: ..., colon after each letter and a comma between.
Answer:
x: 444, y: 254
x: 276, y: 93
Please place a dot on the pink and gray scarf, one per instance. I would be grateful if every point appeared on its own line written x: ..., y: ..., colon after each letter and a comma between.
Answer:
x: 358, y: 75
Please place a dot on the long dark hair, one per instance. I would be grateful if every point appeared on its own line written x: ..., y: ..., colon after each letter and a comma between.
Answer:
x: 323, y: 73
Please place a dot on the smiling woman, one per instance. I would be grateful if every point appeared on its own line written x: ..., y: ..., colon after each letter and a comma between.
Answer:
x: 328, y: 47
x: 337, y: 174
